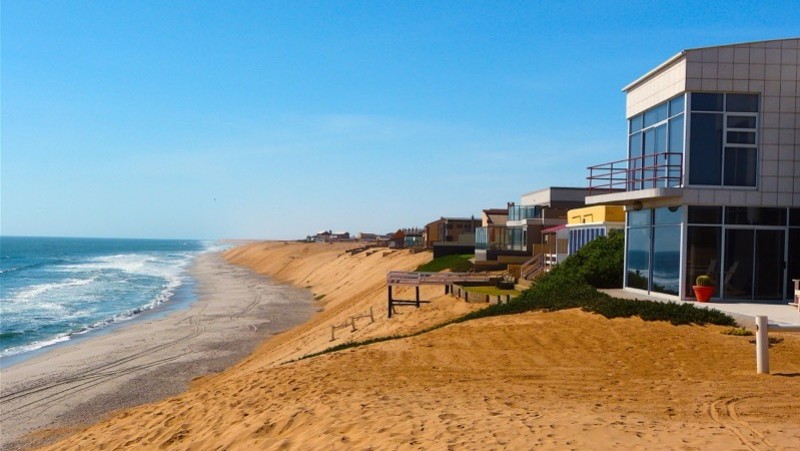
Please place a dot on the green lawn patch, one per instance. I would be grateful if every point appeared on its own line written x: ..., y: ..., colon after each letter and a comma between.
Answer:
x: 455, y: 263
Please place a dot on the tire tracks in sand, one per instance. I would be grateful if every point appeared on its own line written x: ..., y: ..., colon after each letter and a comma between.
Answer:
x: 723, y: 412
x: 41, y: 396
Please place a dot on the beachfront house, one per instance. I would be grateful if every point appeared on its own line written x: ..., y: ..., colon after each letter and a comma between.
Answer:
x: 711, y: 182
x: 449, y: 236
x: 520, y: 238
x: 583, y: 226
x: 587, y: 223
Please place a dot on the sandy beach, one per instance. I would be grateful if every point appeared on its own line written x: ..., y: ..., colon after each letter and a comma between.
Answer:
x: 560, y: 380
x: 149, y: 358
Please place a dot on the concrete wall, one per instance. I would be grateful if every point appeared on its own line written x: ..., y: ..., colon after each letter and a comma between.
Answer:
x: 663, y: 85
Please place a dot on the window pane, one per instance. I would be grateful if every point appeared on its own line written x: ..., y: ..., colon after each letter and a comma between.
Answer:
x: 794, y: 219
x: 740, y: 166
x: 741, y: 122
x: 666, y: 259
x: 741, y: 138
x: 676, y: 134
x: 702, y: 255
x: 769, y: 264
x: 659, y: 174
x: 742, y: 102
x: 661, y: 138
x: 668, y: 215
x: 755, y: 216
x: 676, y: 106
x: 702, y: 101
x: 639, y: 218
x: 635, y: 145
x: 636, y: 123
x: 738, y: 275
x: 705, y: 149
x: 705, y: 215
x: 638, y: 257
x: 650, y: 141
x: 655, y: 115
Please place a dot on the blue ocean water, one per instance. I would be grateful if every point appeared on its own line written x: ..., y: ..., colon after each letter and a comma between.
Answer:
x: 52, y: 289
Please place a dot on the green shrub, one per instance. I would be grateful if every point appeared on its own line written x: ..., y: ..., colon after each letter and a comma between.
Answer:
x: 599, y: 263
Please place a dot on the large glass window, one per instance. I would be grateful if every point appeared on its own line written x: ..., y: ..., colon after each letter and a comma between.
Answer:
x: 706, y: 101
x: 515, y: 238
x: 651, y: 135
x: 755, y: 216
x: 666, y: 259
x: 703, y: 245
x: 638, y: 257
x: 723, y: 148
x: 704, y: 215
x: 653, y: 250
x: 705, y: 149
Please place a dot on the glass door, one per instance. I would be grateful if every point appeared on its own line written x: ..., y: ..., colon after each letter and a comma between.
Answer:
x: 768, y: 277
x: 754, y: 264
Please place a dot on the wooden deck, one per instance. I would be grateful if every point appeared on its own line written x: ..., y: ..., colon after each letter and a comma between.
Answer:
x: 436, y: 278
x: 416, y: 279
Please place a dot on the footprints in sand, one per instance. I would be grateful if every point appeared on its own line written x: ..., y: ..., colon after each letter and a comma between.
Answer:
x: 723, y: 411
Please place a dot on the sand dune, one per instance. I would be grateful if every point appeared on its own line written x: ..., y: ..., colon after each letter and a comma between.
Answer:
x: 559, y: 380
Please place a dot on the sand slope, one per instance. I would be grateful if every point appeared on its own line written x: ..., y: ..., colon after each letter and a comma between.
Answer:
x: 560, y: 380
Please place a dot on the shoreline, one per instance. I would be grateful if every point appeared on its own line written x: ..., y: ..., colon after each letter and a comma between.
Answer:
x: 183, y: 297
x: 67, y: 386
x: 565, y: 379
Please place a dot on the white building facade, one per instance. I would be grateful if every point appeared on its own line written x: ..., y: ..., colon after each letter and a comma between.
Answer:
x: 711, y: 184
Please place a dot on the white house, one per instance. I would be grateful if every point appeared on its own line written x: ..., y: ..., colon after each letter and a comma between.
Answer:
x: 711, y: 183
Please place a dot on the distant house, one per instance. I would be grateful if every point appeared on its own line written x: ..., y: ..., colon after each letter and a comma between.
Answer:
x: 328, y: 236
x: 407, y: 238
x: 711, y: 182
x: 583, y: 226
x: 362, y: 236
x: 555, y: 245
x: 520, y: 238
x: 414, y: 238
x: 494, y: 216
x: 448, y: 236
x: 586, y: 224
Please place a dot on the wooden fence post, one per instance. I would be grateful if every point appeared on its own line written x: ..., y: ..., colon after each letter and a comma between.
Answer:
x: 390, y: 301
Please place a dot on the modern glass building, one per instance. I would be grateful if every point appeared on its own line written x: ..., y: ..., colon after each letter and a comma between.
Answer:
x: 520, y: 238
x: 711, y: 182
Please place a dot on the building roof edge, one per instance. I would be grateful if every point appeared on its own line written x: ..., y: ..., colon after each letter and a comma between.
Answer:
x: 683, y: 53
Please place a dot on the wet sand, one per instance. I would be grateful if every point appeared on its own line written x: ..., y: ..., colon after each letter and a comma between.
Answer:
x: 150, y: 358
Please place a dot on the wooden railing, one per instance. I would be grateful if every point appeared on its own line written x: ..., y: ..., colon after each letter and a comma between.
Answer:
x: 435, y: 278
x: 534, y: 267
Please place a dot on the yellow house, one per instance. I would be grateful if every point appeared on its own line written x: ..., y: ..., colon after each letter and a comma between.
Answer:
x: 587, y: 223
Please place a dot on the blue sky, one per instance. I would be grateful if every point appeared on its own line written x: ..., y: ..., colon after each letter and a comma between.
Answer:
x: 235, y: 119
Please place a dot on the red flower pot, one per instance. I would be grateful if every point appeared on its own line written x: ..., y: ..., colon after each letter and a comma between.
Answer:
x: 703, y: 294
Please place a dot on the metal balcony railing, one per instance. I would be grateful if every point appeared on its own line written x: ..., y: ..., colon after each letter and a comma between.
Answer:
x: 658, y: 170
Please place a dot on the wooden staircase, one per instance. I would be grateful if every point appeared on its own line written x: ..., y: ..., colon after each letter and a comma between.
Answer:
x: 532, y: 269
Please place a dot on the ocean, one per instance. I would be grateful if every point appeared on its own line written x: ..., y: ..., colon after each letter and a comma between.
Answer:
x: 55, y: 289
